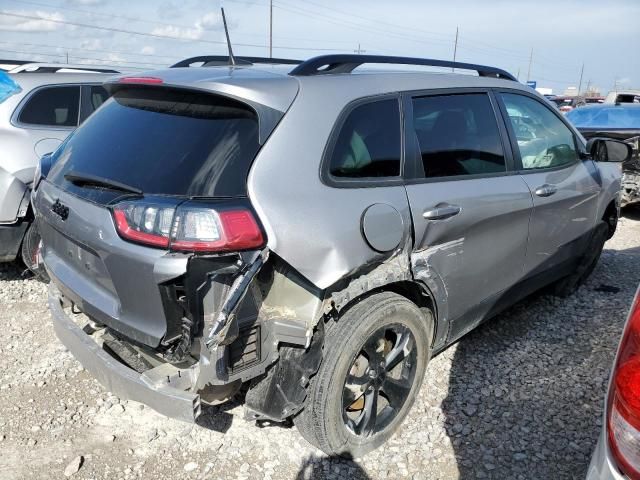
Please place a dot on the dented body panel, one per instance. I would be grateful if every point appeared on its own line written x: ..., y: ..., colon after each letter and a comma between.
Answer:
x: 322, y: 220
x: 478, y: 252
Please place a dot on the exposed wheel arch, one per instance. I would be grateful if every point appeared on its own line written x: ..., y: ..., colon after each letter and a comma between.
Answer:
x: 411, y: 290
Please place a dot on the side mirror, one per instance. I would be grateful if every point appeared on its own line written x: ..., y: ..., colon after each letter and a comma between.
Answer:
x: 607, y: 150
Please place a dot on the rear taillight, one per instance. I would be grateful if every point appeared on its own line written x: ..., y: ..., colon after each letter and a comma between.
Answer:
x: 144, y: 223
x: 188, y: 227
x: 207, y: 230
x: 623, y: 412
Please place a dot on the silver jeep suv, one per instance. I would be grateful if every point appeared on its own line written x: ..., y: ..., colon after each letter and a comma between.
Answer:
x: 46, y: 103
x: 314, y: 233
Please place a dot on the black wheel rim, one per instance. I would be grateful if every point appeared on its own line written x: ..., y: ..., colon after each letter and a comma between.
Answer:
x: 379, y: 380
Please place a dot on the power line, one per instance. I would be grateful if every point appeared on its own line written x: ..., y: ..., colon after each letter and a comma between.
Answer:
x: 100, y: 14
x: 40, y: 45
x: 381, y: 22
x: 353, y: 25
x: 404, y: 28
x: 157, y: 35
x: 142, y: 66
x: 133, y: 19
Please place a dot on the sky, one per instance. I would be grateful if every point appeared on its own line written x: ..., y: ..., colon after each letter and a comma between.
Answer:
x: 548, y: 41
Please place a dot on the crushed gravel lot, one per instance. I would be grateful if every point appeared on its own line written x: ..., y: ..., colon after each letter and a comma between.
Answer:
x: 520, y: 397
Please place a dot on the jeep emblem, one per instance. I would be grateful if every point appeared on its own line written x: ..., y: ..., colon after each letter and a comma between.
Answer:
x: 60, y: 210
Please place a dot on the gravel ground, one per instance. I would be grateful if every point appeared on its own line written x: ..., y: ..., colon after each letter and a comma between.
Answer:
x: 520, y: 397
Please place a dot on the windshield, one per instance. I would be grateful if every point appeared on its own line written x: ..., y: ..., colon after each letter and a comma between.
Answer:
x: 163, y: 141
x: 606, y: 117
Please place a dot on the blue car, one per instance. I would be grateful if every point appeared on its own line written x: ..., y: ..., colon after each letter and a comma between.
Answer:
x: 619, y: 122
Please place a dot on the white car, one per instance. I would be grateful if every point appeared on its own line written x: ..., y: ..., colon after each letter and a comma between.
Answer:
x: 40, y: 104
x: 617, y: 455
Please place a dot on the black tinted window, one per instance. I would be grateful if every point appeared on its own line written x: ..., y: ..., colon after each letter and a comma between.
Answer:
x: 457, y: 135
x: 97, y: 96
x: 369, y: 142
x: 164, y: 142
x: 52, y: 106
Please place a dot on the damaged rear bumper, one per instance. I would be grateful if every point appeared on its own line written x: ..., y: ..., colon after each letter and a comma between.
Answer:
x: 116, y: 377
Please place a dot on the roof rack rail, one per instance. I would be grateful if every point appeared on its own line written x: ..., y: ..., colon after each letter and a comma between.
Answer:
x: 341, y: 63
x: 11, y: 64
x: 31, y: 67
x: 221, y: 60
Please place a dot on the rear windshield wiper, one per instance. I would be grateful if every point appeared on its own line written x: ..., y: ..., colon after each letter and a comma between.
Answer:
x: 85, y: 179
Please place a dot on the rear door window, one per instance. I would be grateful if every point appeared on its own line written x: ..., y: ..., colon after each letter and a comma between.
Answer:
x: 164, y: 141
x: 543, y: 139
x: 457, y: 135
x: 52, y: 107
x: 368, y: 145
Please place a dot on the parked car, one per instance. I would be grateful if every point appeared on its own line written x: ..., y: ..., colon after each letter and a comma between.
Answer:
x: 617, y: 454
x: 313, y: 233
x: 623, y: 96
x: 619, y: 122
x: 567, y: 104
x: 45, y: 104
x: 553, y: 100
x: 590, y: 100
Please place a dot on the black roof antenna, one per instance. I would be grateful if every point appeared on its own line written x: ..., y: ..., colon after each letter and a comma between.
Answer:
x: 232, y: 59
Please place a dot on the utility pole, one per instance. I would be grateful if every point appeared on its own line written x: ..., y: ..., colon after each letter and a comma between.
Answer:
x: 271, y: 29
x: 588, y: 85
x: 359, y: 51
x: 518, y: 74
x: 455, y: 49
x: 67, y: 58
x: 580, y: 83
x: 529, y: 69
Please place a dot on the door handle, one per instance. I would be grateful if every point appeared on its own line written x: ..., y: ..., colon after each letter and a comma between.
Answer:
x: 441, y: 213
x: 546, y: 190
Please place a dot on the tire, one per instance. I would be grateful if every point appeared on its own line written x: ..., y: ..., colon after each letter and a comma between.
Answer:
x: 325, y: 422
x: 29, y: 253
x: 568, y: 285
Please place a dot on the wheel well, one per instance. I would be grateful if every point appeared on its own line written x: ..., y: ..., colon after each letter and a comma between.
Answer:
x: 412, y: 291
x: 611, y: 217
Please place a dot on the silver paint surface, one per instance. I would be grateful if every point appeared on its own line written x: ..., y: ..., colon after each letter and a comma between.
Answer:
x: 382, y: 227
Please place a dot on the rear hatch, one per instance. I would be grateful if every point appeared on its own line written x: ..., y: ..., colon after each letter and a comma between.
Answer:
x: 155, y: 175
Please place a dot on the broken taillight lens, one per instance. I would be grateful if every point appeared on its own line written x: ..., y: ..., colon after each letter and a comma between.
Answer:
x: 623, y: 412
x: 188, y: 227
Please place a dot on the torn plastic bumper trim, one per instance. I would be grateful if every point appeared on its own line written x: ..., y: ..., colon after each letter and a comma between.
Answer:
x: 224, y: 329
x: 116, y: 377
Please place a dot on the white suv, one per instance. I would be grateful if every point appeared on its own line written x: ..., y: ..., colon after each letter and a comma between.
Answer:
x: 40, y: 105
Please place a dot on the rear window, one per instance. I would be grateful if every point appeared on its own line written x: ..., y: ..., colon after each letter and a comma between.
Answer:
x: 164, y: 141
